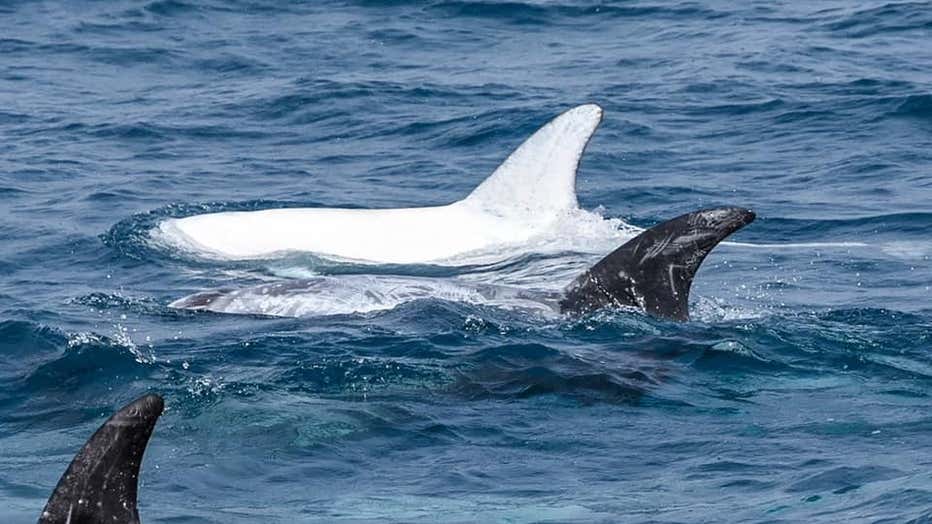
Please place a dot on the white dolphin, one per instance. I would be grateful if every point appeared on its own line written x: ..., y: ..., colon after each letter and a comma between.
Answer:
x: 525, y: 196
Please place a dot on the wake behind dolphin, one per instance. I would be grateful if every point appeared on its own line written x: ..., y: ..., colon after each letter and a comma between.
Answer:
x: 523, y: 198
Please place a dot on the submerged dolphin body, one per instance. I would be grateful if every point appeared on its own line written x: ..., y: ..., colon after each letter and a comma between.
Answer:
x: 101, y: 483
x: 653, y: 272
x: 523, y: 198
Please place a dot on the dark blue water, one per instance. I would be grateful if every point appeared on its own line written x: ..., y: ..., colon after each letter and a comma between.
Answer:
x: 801, y: 392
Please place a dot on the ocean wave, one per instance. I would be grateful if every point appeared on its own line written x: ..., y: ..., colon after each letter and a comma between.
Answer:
x: 890, y: 18
x: 532, y: 13
x: 915, y: 106
x: 522, y: 371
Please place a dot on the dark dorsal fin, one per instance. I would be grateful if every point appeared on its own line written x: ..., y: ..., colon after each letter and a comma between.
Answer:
x: 655, y: 270
x: 100, y: 484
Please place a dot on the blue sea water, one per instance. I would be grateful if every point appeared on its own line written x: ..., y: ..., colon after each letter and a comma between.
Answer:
x: 800, y: 392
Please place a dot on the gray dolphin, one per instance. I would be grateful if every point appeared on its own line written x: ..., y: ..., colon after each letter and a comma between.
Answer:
x: 101, y: 483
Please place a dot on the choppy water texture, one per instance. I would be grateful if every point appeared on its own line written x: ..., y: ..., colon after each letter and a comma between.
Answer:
x: 800, y: 392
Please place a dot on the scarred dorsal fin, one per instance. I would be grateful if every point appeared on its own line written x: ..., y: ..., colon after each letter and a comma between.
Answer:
x: 540, y: 176
x: 100, y: 484
x: 654, y: 271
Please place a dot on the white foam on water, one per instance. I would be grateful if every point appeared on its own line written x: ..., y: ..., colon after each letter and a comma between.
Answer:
x: 798, y: 245
x: 911, y: 250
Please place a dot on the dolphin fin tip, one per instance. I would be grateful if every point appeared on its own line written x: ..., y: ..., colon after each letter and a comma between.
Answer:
x: 592, y: 109
x: 538, y: 179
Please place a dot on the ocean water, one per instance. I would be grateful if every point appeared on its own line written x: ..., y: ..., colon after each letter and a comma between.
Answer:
x: 800, y: 392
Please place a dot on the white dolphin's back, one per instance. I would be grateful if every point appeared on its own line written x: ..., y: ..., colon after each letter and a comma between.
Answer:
x: 521, y: 199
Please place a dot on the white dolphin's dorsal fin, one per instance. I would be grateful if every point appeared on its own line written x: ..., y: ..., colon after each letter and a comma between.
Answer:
x: 540, y: 176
